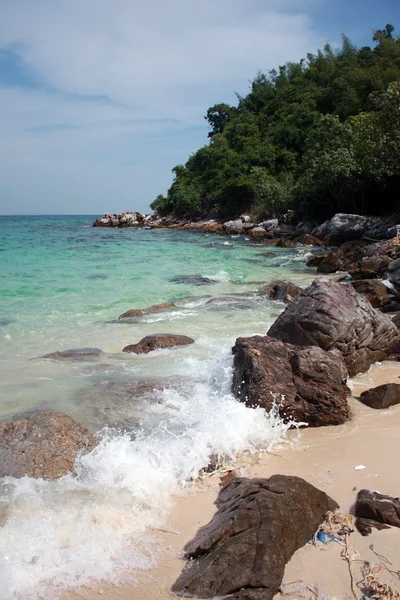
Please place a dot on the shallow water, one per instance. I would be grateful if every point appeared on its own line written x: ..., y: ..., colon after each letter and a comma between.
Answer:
x: 63, y: 285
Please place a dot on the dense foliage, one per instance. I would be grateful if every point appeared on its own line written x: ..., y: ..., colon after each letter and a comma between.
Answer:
x: 316, y: 137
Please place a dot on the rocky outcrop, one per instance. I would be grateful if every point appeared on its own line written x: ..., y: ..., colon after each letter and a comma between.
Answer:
x: 373, y: 289
x: 151, y: 310
x: 374, y: 507
x: 42, y: 443
x: 334, y: 316
x: 259, y: 525
x: 158, y: 341
x: 282, y: 291
x: 74, y: 354
x: 307, y: 384
x: 344, y: 227
x: 382, y: 396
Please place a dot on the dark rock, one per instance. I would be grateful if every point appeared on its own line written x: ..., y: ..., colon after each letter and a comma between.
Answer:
x: 333, y: 262
x: 396, y: 320
x: 365, y: 526
x: 368, y: 268
x: 308, y: 240
x: 283, y: 291
x: 268, y: 254
x: 334, y: 316
x: 344, y: 227
x: 192, y: 279
x: 74, y: 354
x: 393, y: 270
x: 231, y: 303
x: 378, y: 507
x: 259, y: 525
x: 285, y: 243
x: 373, y: 289
x: 157, y: 341
x: 382, y: 396
x: 316, y: 260
x: 308, y: 384
x: 42, y: 443
x: 140, y: 312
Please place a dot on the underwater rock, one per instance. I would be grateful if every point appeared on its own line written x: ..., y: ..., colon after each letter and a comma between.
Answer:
x: 151, y: 310
x: 158, y: 341
x: 75, y: 354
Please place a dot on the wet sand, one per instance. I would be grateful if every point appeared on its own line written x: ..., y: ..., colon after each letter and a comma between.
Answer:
x: 325, y: 457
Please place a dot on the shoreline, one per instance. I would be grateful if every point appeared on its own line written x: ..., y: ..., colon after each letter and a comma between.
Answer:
x: 324, y: 456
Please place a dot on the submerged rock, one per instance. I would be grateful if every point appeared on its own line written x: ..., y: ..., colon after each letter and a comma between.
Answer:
x: 282, y: 291
x: 192, y: 279
x: 382, y: 396
x: 74, y: 354
x: 307, y: 384
x: 151, y: 310
x: 376, y: 507
x: 334, y: 316
x: 158, y: 341
x: 285, y: 242
x: 259, y: 525
x: 42, y: 443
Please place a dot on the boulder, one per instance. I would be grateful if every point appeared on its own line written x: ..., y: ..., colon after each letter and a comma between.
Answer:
x: 41, y: 443
x: 396, y: 320
x: 283, y: 291
x: 368, y: 268
x: 376, y: 507
x: 140, y: 312
x: 285, y: 242
x: 270, y: 224
x: 373, y: 289
x: 259, y: 525
x: 334, y: 316
x: 158, y: 341
x: 393, y: 271
x: 308, y: 240
x: 75, y: 354
x: 344, y: 227
x: 316, y: 259
x: 307, y: 384
x: 233, y: 227
x: 258, y: 232
x: 333, y: 262
x: 382, y: 396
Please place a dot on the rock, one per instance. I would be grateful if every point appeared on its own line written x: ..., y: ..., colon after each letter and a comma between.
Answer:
x: 373, y: 289
x: 245, y: 218
x: 393, y: 271
x: 309, y: 240
x: 192, y: 279
x: 269, y: 224
x: 233, y: 227
x: 283, y: 291
x: 391, y: 306
x: 316, y: 260
x: 377, y: 507
x: 259, y: 525
x: 157, y: 341
x: 333, y: 262
x: 368, y: 268
x: 396, y: 320
x: 231, y: 302
x: 344, y: 227
x: 42, y: 443
x: 258, y: 232
x: 334, y: 316
x: 308, y: 384
x: 75, y: 354
x: 382, y: 396
x: 269, y: 254
x: 140, y: 312
x: 285, y: 243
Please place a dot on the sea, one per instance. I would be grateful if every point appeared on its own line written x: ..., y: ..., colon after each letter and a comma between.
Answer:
x: 63, y: 285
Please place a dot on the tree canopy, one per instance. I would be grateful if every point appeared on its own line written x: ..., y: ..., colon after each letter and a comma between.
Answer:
x: 314, y: 137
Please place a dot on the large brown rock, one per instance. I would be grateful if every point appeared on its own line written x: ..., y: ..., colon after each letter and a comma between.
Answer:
x: 373, y: 289
x: 259, y: 525
x: 374, y: 508
x: 382, y: 396
x: 42, y: 443
x: 308, y: 384
x: 283, y: 291
x: 157, y: 341
x: 333, y: 262
x: 368, y: 268
x: 150, y: 310
x: 332, y: 316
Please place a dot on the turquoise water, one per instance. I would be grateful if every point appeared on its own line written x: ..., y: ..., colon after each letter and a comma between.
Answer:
x: 63, y: 285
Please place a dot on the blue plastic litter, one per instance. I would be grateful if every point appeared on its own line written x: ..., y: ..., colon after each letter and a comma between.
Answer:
x: 327, y: 538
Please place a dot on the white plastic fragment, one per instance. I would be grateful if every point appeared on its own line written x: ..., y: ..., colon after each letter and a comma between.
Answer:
x: 359, y: 467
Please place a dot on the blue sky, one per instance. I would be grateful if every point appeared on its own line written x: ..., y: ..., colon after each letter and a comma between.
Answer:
x: 99, y: 99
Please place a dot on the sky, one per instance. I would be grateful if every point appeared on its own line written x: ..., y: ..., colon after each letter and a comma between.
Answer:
x: 99, y: 99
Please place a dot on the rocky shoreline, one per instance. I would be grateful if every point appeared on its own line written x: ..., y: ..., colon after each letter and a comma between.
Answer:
x: 327, y: 333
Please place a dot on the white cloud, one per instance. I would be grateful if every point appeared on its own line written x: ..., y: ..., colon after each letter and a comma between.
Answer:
x: 157, y: 61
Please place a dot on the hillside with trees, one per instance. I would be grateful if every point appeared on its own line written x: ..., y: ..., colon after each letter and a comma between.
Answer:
x: 317, y: 137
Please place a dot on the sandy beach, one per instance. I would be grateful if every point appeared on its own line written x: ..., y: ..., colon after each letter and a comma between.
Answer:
x: 326, y: 457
